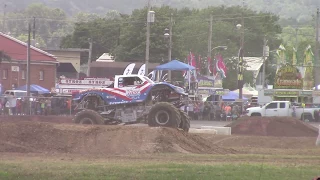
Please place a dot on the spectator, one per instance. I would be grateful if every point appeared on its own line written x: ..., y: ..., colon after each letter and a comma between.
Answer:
x: 42, y: 107
x: 19, y: 107
x: 227, y: 111
x: 48, y: 107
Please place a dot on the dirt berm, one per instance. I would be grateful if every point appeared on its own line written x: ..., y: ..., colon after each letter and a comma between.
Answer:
x: 40, y: 137
x: 37, y: 118
x: 272, y: 126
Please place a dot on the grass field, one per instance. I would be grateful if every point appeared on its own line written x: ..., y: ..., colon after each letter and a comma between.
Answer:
x: 162, y: 166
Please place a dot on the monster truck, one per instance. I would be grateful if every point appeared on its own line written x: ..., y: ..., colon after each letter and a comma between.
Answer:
x: 133, y: 99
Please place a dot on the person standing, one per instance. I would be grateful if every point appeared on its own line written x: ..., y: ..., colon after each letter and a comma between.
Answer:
x: 48, y: 106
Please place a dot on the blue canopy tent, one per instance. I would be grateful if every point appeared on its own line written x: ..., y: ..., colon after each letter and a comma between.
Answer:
x: 176, y: 65
x: 34, y: 89
x: 232, y: 96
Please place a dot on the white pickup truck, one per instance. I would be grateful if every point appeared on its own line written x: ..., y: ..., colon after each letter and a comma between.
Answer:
x: 282, y: 108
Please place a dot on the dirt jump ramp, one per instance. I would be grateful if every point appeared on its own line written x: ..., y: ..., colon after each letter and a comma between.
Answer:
x: 272, y: 126
x: 39, y: 137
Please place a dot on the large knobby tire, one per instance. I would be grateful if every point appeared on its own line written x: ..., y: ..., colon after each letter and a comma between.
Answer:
x: 88, y: 116
x: 164, y: 114
x: 185, y: 121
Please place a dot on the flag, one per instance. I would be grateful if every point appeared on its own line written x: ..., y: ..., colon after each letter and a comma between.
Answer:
x: 184, y: 73
x: 240, y: 69
x: 210, y: 65
x: 215, y: 70
x: 192, y: 60
x: 294, y: 57
x: 199, y: 65
x: 128, y: 70
x: 281, y: 59
x: 221, y: 67
x: 142, y: 70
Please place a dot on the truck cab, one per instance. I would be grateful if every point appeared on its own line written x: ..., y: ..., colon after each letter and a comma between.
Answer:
x: 129, y: 81
x: 274, y: 108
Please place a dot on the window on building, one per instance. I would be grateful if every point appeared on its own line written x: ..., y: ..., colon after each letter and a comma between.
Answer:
x: 23, y: 74
x: 4, y: 73
x: 41, y: 75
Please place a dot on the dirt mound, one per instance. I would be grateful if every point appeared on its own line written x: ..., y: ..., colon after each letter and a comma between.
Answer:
x: 272, y: 126
x: 37, y: 118
x: 37, y: 137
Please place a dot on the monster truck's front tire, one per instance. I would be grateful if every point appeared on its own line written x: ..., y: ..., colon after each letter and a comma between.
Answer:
x: 88, y: 116
x: 164, y: 114
x: 185, y: 121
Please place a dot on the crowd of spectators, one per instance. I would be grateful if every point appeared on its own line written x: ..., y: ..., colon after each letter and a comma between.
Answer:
x: 10, y: 105
x: 214, y: 111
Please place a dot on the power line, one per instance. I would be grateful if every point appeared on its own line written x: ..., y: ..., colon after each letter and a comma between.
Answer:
x: 137, y: 20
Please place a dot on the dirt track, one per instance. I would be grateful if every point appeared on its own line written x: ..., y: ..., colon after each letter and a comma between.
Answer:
x: 35, y: 135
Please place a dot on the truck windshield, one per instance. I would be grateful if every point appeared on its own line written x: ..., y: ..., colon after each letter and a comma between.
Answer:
x: 149, y: 80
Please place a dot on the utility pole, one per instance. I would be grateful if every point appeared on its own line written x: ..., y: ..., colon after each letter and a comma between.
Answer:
x: 148, y: 40
x: 265, y: 51
x: 316, y: 69
x: 4, y: 18
x: 90, y: 56
x: 297, y: 38
x: 241, y: 55
x: 209, y: 45
x: 34, y: 29
x: 28, y: 66
x: 170, y: 45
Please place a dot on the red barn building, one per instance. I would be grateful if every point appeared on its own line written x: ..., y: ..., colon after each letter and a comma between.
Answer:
x: 14, y: 73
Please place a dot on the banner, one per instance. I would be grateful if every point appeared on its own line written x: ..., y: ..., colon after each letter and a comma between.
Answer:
x: 288, y: 77
x: 142, y: 70
x: 308, y: 82
x: 281, y: 59
x: 294, y: 57
x: 205, y: 81
x: 128, y: 70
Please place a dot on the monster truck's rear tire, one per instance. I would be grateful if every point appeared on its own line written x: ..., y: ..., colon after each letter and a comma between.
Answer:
x: 185, y: 121
x: 88, y: 116
x: 164, y: 114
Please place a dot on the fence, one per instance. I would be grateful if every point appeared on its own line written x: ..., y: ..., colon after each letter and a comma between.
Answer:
x: 36, y: 106
x: 197, y: 110
x: 230, y: 110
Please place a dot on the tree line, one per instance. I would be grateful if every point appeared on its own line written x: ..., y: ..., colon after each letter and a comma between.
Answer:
x: 124, y: 35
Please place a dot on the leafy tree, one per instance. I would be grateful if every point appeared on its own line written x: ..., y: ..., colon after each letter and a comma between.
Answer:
x: 300, y: 10
x: 103, y: 32
x: 51, y: 23
x: 190, y: 32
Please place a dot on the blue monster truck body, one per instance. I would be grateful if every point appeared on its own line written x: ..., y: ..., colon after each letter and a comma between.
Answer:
x: 133, y: 99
